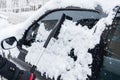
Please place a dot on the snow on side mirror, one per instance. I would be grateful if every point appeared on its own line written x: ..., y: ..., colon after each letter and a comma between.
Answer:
x: 9, y: 43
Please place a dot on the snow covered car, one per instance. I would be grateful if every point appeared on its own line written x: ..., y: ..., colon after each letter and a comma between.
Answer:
x: 71, y: 41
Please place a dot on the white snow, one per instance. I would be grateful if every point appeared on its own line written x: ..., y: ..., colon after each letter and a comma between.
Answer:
x: 55, y: 60
x: 15, y: 18
x: 3, y: 22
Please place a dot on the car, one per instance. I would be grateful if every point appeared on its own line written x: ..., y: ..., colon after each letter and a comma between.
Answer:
x: 70, y: 43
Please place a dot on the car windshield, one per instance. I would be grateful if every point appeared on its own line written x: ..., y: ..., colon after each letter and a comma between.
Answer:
x: 88, y: 18
x: 47, y: 23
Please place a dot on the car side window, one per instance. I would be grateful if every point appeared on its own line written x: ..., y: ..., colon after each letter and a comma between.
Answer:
x: 114, y: 45
x: 47, y: 23
x: 112, y: 37
x: 111, y: 64
x: 82, y: 17
x: 88, y: 18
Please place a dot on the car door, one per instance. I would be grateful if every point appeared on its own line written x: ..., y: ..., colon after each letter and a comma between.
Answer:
x: 35, y: 37
x: 40, y: 29
x: 111, y: 64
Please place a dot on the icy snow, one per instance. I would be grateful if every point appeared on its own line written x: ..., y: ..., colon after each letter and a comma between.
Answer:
x: 55, y: 60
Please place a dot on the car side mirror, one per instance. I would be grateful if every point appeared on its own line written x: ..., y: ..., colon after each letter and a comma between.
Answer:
x: 9, y: 43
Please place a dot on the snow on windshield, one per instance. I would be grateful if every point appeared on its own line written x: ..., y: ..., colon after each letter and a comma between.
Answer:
x: 55, y: 60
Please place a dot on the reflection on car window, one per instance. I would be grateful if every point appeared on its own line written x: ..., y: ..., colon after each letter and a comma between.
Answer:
x: 81, y: 17
x: 49, y: 24
x: 114, y: 45
x: 111, y: 64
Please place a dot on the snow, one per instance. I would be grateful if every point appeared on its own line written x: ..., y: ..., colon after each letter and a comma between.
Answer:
x: 55, y: 60
x: 4, y: 21
x: 15, y: 18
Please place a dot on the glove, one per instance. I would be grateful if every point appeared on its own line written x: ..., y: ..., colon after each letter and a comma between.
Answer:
x: 26, y: 75
x: 8, y: 69
x: 11, y: 72
x: 32, y: 77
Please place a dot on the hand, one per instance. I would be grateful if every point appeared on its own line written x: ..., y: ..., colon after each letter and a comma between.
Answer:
x: 26, y: 75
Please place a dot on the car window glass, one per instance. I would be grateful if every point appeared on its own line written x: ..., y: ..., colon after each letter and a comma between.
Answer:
x: 114, y: 46
x: 88, y: 17
x: 111, y: 63
x: 49, y: 21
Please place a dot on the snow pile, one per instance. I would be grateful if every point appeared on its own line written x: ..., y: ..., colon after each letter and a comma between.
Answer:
x: 71, y: 36
x: 55, y: 60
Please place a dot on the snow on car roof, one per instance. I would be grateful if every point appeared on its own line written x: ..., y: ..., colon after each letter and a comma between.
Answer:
x: 50, y: 63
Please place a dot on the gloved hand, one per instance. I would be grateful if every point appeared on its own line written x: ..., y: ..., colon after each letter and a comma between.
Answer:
x: 32, y: 77
x: 8, y: 69
x: 26, y: 75
x: 11, y: 72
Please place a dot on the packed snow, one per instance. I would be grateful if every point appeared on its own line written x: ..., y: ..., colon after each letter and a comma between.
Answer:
x: 55, y: 60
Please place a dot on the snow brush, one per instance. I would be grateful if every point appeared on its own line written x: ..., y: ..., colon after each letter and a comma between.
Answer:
x: 54, y: 33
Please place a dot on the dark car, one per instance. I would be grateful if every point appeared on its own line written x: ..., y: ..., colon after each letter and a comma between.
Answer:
x: 105, y: 55
x: 110, y: 68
